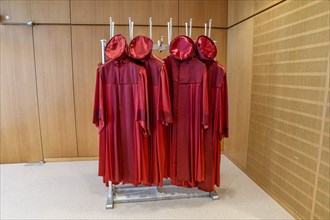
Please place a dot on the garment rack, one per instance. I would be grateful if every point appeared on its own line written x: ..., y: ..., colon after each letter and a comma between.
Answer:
x: 129, y: 193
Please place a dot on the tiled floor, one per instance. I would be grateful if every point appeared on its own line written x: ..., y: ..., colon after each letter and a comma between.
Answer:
x: 72, y: 190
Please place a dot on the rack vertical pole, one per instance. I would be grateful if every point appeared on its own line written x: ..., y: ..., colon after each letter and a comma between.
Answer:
x: 210, y: 25
x: 103, y: 43
x: 168, y: 33
x: 150, y: 28
x: 132, y: 26
x: 110, y: 27
x: 171, y: 23
x: 190, y: 27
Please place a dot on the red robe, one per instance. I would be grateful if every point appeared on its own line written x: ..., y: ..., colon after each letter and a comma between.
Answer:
x: 160, y: 117
x: 189, y: 95
x: 160, y: 107
x: 218, y: 112
x: 121, y: 114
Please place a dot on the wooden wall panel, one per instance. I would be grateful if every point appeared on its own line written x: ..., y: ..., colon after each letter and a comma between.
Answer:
x: 192, y: 9
x: 86, y: 55
x: 139, y: 10
x: 238, y: 10
x: 217, y: 11
x: 55, y: 90
x: 20, y: 131
x: 98, y: 12
x: 239, y: 67
x: 38, y: 11
x: 202, y: 11
x: 60, y: 95
x: 123, y: 30
x: 50, y: 11
x: 18, y: 11
x: 162, y: 11
x: 287, y: 143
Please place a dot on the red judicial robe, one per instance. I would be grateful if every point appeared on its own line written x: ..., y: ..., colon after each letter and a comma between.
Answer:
x: 121, y: 115
x: 160, y: 107
x: 218, y: 112
x: 189, y: 95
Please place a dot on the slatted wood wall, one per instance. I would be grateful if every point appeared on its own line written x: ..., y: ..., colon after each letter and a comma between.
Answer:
x: 286, y: 149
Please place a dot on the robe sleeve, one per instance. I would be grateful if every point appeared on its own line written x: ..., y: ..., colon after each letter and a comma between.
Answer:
x: 98, y: 113
x: 143, y: 105
x: 224, y: 131
x: 205, y: 101
x: 164, y: 103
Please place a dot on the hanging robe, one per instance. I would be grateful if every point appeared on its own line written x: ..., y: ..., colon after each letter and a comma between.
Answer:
x: 116, y: 49
x: 189, y: 95
x: 206, y: 51
x: 160, y: 107
x: 121, y: 115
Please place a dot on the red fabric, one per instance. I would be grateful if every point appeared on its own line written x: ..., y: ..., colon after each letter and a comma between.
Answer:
x: 160, y: 117
x: 140, y: 47
x: 121, y: 114
x: 218, y: 111
x: 116, y: 48
x: 182, y: 47
x: 188, y: 86
x: 205, y: 48
x: 218, y: 124
x: 160, y: 107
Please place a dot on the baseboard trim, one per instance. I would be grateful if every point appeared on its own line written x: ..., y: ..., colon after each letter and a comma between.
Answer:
x: 67, y: 159
x: 262, y: 186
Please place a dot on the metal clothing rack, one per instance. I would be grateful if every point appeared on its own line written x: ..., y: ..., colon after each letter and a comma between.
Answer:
x: 160, y: 43
x: 129, y: 193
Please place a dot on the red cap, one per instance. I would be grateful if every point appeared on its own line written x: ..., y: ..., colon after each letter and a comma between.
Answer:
x: 205, y: 48
x: 116, y: 48
x: 140, y: 47
x: 182, y: 47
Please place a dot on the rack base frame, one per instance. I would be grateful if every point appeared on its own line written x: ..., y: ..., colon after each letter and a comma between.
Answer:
x: 129, y: 194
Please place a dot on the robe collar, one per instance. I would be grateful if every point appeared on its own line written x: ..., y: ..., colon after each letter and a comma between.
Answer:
x: 182, y: 48
x: 140, y: 48
x: 205, y: 48
x: 116, y: 49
